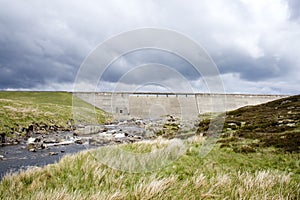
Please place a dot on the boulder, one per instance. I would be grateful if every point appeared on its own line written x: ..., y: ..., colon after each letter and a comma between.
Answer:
x: 32, y: 150
x: 2, y: 138
x: 31, y: 140
x: 120, y: 135
x: 52, y: 153
x: 50, y: 140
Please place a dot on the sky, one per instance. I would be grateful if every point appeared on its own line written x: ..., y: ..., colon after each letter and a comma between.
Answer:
x: 254, y: 44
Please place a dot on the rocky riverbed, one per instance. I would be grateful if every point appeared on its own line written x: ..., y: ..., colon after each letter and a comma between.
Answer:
x: 16, y: 157
x: 42, y: 149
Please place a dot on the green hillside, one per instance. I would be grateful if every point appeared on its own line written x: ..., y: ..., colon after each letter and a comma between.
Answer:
x: 41, y: 111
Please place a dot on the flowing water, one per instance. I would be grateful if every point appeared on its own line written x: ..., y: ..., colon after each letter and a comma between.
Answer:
x: 17, y: 157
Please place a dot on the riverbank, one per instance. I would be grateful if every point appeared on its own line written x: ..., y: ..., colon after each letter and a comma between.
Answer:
x: 24, y: 113
x: 41, y: 149
x: 221, y: 174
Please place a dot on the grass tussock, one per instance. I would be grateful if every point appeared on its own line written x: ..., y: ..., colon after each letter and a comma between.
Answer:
x: 223, y: 174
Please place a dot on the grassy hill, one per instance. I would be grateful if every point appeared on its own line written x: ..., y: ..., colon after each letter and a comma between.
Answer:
x: 273, y: 124
x: 41, y: 111
x: 227, y: 172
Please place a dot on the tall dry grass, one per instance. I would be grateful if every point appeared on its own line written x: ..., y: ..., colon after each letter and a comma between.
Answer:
x: 82, y: 176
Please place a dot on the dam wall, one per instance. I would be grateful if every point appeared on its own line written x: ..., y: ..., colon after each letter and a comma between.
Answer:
x: 154, y: 105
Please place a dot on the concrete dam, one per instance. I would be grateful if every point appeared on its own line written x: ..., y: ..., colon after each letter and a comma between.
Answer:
x: 187, y: 106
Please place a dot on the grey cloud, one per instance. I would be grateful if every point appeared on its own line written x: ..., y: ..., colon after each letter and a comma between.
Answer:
x: 32, y: 50
x: 252, y: 69
x: 134, y: 59
x: 294, y: 7
x: 44, y: 43
x: 47, y: 41
x: 27, y: 69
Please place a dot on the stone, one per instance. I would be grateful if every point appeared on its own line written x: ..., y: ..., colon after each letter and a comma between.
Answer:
x: 138, y: 137
x: 52, y: 153
x: 31, y: 140
x: 120, y: 135
x: 32, y: 150
x: 111, y: 132
x: 291, y: 124
x: 89, y: 129
x: 30, y: 146
x: 171, y: 118
x: 59, y: 143
x: 2, y: 138
x: 290, y: 107
x: 49, y: 140
x: 139, y: 122
x: 78, y: 141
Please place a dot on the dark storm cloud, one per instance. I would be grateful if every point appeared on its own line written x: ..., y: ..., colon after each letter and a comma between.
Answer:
x: 294, y: 7
x: 36, y: 47
x: 22, y: 68
x: 134, y: 59
x: 43, y: 43
x: 252, y: 69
